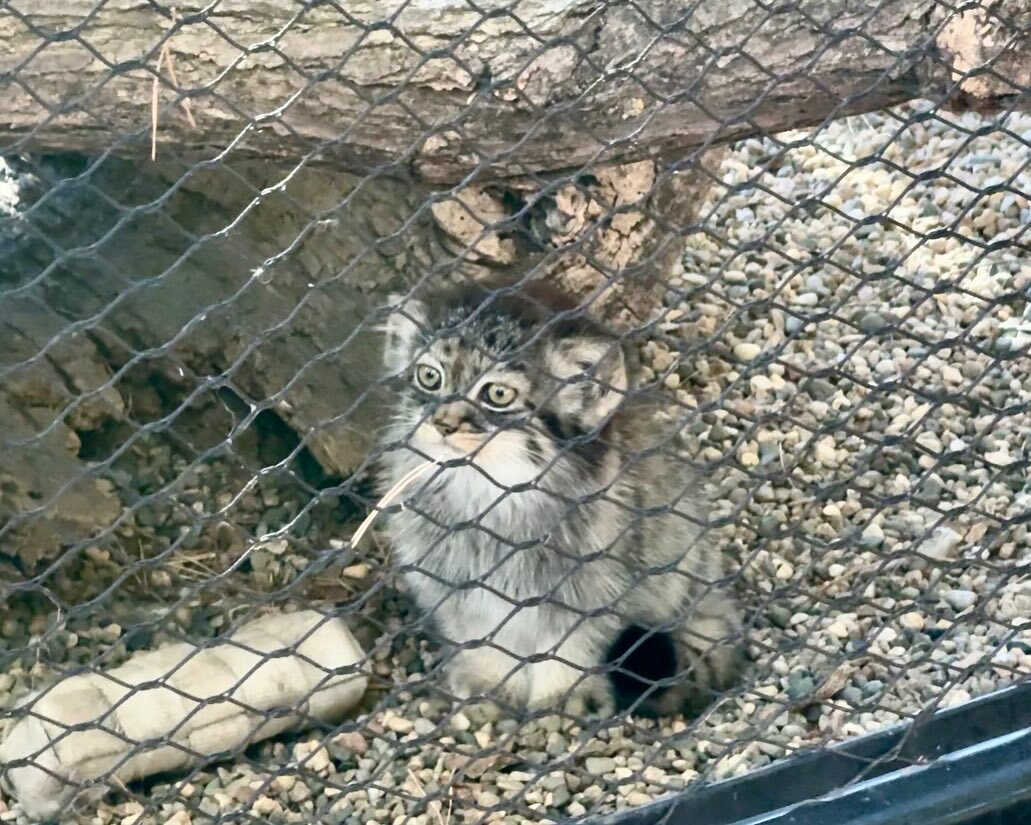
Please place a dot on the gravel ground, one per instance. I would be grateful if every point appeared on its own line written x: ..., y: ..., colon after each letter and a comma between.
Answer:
x: 856, y: 345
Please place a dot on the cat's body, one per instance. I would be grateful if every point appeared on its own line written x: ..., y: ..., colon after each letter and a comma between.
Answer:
x: 556, y: 523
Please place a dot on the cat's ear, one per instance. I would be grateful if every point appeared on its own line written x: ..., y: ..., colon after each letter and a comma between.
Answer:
x: 402, y: 328
x: 596, y: 377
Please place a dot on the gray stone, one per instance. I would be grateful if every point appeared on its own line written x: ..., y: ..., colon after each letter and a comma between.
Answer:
x: 769, y: 526
x: 557, y: 745
x: 852, y: 695
x: 872, y: 322
x: 599, y: 765
x: 560, y: 797
x: 424, y: 727
x: 960, y: 599
x: 820, y: 388
x: 779, y: 615
x: 800, y: 685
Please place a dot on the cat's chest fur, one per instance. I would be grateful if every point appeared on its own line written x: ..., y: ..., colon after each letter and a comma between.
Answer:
x: 496, y: 551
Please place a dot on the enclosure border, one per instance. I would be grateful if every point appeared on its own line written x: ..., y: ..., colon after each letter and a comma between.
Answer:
x: 946, y: 768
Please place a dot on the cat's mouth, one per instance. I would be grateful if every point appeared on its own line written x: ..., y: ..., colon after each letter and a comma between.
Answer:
x: 464, y: 443
x: 455, y: 445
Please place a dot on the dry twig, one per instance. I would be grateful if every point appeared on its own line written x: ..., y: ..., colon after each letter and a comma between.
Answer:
x: 165, y: 59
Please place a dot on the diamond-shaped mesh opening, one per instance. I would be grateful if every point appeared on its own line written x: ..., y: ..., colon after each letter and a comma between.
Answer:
x: 458, y: 413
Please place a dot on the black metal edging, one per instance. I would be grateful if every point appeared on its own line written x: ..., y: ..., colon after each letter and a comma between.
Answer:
x: 952, y: 767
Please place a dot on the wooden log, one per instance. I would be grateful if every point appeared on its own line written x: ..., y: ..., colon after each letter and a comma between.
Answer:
x: 444, y: 88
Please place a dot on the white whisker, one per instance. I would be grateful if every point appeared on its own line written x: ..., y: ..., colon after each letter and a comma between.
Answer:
x: 388, y: 499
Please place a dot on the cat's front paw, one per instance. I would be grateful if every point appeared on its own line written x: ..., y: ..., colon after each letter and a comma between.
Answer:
x: 487, y: 684
x: 592, y: 698
x: 479, y: 713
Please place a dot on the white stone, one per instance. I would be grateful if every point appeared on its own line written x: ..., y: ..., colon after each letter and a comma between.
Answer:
x: 960, y: 599
x: 912, y: 620
x: 887, y: 636
x: 486, y: 799
x: 956, y: 696
x: 941, y: 543
x: 873, y: 535
x: 930, y: 442
x: 1000, y: 457
x: 839, y: 629
x: 746, y: 351
x: 599, y: 765
x: 825, y: 452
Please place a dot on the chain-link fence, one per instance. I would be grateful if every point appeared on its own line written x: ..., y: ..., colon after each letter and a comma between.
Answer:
x: 456, y: 413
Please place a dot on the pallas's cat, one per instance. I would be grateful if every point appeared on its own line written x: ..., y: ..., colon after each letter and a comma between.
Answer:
x: 559, y: 547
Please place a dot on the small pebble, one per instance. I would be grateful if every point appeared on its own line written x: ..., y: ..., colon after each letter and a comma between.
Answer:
x: 599, y: 765
x: 746, y: 351
x: 941, y: 544
x: 486, y: 799
x: 399, y: 724
x: 873, y: 535
x: 852, y: 695
x: 424, y: 727
x: 800, y: 685
x: 956, y: 696
x: 960, y: 599
x: 872, y: 322
x: 839, y: 629
x: 912, y: 621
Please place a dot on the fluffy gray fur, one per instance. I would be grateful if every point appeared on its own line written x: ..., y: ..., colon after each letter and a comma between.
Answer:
x: 554, y: 523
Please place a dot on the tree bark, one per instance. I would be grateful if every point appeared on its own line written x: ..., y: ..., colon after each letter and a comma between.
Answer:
x: 447, y: 88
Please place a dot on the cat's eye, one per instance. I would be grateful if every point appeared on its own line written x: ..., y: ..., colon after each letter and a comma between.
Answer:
x: 498, y: 395
x: 427, y: 377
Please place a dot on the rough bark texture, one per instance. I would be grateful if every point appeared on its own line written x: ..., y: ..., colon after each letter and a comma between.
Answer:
x: 988, y: 55
x: 444, y: 87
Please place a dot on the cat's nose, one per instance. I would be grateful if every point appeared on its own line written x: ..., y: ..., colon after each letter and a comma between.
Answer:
x: 445, y: 427
x: 452, y: 419
x: 447, y: 420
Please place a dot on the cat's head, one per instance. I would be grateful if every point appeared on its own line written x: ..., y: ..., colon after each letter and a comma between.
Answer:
x: 518, y: 384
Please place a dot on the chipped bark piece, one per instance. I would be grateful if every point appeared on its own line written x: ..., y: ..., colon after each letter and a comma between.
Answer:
x: 987, y: 56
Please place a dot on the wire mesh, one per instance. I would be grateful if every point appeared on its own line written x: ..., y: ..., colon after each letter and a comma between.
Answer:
x: 779, y: 408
